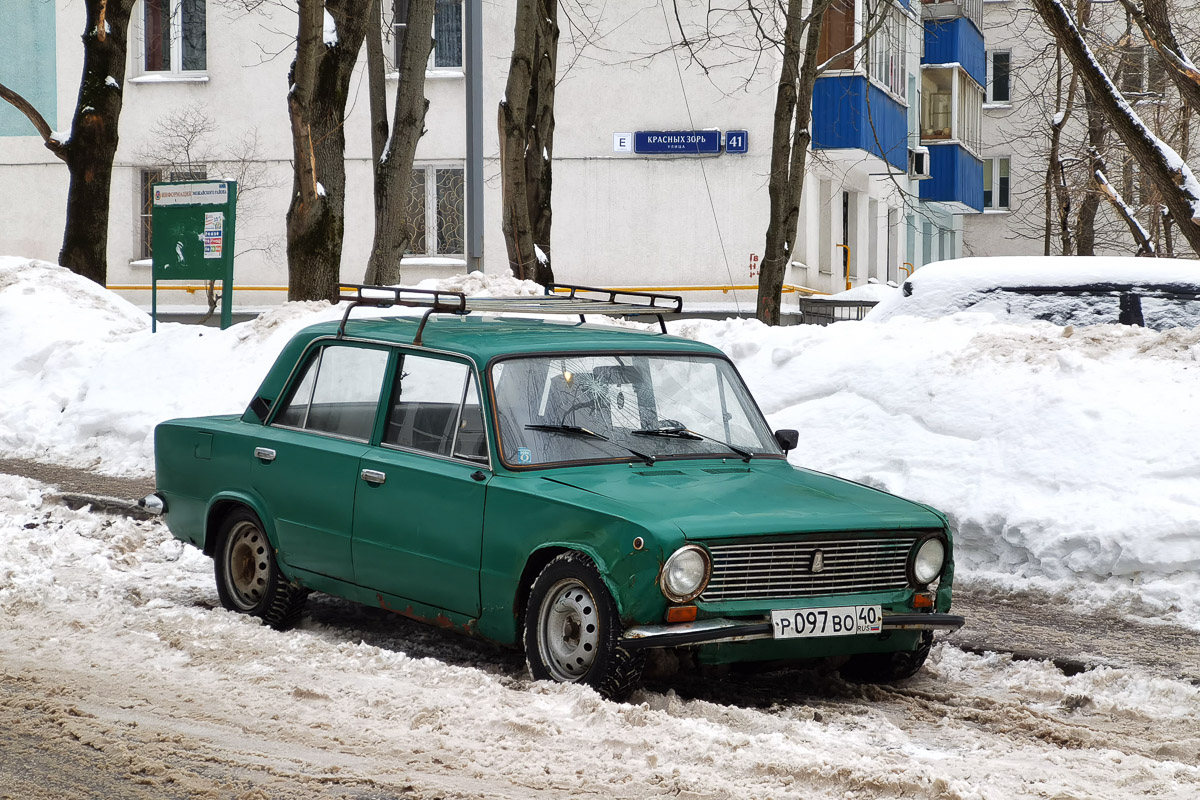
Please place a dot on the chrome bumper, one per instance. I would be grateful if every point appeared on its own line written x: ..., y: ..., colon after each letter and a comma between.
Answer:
x: 153, y: 504
x: 711, y: 631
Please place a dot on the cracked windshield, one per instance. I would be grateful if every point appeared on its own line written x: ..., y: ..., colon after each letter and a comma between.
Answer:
x: 625, y: 407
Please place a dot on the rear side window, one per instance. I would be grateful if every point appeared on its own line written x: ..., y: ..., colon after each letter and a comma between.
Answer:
x: 338, y: 392
x: 435, y: 409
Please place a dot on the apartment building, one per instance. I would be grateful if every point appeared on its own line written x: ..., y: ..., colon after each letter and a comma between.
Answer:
x: 896, y: 158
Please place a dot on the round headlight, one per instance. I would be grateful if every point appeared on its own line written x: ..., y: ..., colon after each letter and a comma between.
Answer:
x: 928, y: 561
x: 685, y: 574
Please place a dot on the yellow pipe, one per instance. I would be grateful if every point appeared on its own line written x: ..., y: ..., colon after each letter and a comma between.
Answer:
x: 192, y: 289
x: 846, y: 264
x: 908, y: 272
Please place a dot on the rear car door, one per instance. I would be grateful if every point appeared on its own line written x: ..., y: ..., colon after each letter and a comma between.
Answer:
x: 418, y: 515
x: 306, y: 467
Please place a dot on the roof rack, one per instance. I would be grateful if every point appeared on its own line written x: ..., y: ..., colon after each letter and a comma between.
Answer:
x: 560, y: 298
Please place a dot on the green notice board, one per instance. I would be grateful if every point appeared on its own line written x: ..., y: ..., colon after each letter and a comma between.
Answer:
x: 193, y: 227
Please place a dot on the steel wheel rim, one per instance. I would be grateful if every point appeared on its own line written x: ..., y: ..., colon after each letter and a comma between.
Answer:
x: 246, y: 565
x: 568, y: 630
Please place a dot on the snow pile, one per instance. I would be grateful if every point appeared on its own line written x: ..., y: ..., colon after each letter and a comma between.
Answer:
x: 1055, y: 451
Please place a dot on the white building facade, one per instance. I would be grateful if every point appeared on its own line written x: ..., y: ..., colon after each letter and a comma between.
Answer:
x: 205, y: 97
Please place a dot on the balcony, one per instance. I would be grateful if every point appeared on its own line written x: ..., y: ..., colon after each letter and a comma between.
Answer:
x: 953, y: 9
x: 955, y: 41
x: 851, y: 112
x: 956, y: 178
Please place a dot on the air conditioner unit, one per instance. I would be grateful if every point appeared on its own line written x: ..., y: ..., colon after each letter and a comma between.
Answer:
x: 918, y: 162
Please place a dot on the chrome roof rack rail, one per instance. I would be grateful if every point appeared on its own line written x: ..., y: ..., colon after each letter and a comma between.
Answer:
x: 558, y: 299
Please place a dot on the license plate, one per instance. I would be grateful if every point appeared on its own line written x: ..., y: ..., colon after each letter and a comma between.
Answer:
x: 841, y: 621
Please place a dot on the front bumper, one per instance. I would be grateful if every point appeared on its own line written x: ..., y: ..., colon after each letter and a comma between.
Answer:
x: 711, y: 631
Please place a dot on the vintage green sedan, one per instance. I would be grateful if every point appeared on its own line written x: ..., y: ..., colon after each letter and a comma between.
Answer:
x: 585, y: 492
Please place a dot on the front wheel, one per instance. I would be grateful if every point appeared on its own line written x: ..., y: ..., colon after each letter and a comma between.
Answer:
x: 248, y: 579
x: 887, y: 667
x: 572, y: 630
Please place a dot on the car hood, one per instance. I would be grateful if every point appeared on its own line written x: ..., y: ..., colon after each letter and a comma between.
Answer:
x: 712, y: 500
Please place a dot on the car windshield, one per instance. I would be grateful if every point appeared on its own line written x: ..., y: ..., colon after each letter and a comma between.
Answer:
x: 629, y: 407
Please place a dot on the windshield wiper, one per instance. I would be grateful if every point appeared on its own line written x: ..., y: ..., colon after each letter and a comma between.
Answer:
x: 681, y: 432
x: 576, y: 430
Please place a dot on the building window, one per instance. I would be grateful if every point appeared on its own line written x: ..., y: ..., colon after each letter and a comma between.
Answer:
x: 837, y: 34
x: 995, y: 183
x: 447, y: 33
x: 436, y: 204
x: 174, y: 36
x: 1142, y: 71
x: 149, y: 178
x: 999, y: 66
x: 887, y: 53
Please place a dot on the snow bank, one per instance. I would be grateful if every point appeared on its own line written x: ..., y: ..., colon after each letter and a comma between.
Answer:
x: 1056, y: 451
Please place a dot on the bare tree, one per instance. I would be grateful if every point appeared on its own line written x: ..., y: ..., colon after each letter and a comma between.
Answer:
x: 526, y: 125
x: 330, y: 36
x: 89, y: 149
x: 790, y: 138
x: 394, y: 212
x: 1172, y: 179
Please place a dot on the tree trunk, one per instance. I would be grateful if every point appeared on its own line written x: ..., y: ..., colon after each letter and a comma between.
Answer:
x: 790, y: 137
x: 320, y: 84
x: 1086, y: 220
x: 92, y: 145
x: 394, y: 214
x: 526, y: 128
x: 1171, y: 177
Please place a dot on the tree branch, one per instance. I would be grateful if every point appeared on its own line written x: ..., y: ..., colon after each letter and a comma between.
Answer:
x: 39, y: 122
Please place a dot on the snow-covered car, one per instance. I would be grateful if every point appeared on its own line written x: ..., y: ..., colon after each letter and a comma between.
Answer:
x: 584, y: 492
x: 1157, y: 293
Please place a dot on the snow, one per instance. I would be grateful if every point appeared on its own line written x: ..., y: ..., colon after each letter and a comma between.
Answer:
x: 115, y: 620
x: 112, y: 82
x: 320, y: 189
x: 1035, y: 439
x: 1055, y: 451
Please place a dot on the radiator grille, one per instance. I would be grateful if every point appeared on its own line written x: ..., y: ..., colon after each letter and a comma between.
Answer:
x: 768, y: 570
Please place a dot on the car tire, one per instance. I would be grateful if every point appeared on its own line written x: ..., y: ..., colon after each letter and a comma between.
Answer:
x: 887, y: 667
x: 248, y: 578
x: 573, y: 629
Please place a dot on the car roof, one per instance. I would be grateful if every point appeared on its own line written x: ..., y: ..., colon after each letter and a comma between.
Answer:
x: 483, y: 337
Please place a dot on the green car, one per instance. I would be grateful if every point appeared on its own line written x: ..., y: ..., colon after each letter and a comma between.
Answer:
x: 584, y: 492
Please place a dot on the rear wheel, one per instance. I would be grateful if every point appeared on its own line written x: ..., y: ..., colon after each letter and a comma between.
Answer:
x: 248, y: 579
x: 887, y: 667
x: 572, y: 630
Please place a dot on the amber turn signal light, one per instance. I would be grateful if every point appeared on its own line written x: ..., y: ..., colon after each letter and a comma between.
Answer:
x: 681, y: 614
x: 922, y: 601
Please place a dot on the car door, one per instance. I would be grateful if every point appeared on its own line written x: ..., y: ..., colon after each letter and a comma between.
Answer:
x: 418, y: 514
x: 306, y: 466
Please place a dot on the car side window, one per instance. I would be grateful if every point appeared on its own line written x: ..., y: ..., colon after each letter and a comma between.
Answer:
x: 338, y: 393
x: 427, y: 405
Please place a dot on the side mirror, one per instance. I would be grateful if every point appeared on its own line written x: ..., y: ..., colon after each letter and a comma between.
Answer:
x: 787, y: 438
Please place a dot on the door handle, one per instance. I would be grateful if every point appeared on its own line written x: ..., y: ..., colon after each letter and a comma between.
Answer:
x: 374, y: 476
x: 264, y: 454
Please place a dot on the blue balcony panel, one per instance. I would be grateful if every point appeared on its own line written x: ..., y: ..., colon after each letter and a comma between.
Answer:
x: 842, y: 119
x: 956, y: 177
x: 956, y: 41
